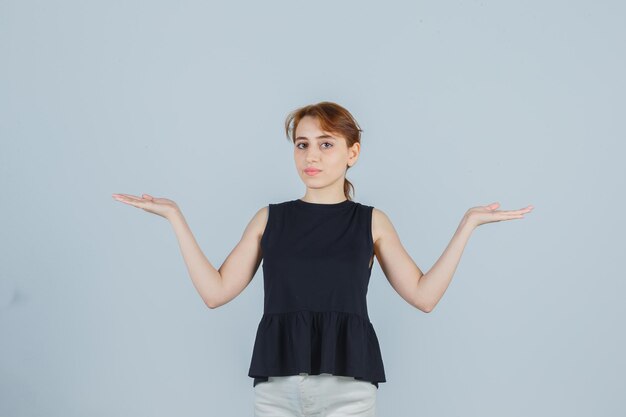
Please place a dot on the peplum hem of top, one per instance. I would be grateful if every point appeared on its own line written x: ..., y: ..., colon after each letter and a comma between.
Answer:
x: 335, y: 342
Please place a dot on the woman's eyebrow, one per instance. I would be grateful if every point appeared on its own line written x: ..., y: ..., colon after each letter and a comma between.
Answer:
x: 319, y: 137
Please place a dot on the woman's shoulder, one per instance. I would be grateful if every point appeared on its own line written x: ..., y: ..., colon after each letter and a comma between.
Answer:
x: 281, y: 203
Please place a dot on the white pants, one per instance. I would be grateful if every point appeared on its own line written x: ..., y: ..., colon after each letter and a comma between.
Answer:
x: 323, y: 395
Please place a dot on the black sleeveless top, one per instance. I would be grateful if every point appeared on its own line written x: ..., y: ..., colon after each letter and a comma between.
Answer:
x: 315, y: 275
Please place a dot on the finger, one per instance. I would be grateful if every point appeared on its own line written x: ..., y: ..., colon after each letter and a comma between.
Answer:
x: 139, y: 204
x: 133, y: 198
x: 120, y: 197
x: 512, y: 215
x: 129, y: 199
x: 503, y: 215
x: 520, y: 211
x: 126, y: 195
x: 125, y: 200
x: 511, y: 218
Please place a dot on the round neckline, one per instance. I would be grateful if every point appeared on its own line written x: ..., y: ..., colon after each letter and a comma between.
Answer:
x: 323, y: 206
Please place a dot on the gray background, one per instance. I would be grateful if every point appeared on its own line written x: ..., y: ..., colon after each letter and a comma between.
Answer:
x: 461, y: 103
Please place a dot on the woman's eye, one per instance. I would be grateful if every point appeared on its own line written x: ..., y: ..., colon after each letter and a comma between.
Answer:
x: 325, y: 143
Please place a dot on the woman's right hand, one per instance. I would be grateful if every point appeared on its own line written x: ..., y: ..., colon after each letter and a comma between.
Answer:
x: 161, y: 206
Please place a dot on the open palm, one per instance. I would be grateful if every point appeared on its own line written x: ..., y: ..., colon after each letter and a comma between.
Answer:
x: 487, y: 214
x: 161, y: 206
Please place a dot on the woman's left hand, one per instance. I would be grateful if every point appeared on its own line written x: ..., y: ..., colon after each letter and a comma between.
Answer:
x: 487, y: 214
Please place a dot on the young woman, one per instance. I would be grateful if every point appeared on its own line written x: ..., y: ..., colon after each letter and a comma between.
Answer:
x: 316, y: 351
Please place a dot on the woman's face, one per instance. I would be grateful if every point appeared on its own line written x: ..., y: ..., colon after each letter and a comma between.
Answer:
x: 314, y: 148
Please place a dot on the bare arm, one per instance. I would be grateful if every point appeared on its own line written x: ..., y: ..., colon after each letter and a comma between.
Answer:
x: 399, y: 268
x: 435, y: 282
x: 424, y: 291
x: 206, y: 279
x: 432, y: 285
x: 216, y: 287
x: 219, y: 286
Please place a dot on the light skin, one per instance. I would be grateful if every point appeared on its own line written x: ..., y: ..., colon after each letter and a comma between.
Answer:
x: 329, y: 153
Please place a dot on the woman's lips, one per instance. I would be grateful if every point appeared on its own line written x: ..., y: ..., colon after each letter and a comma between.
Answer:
x: 312, y: 172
